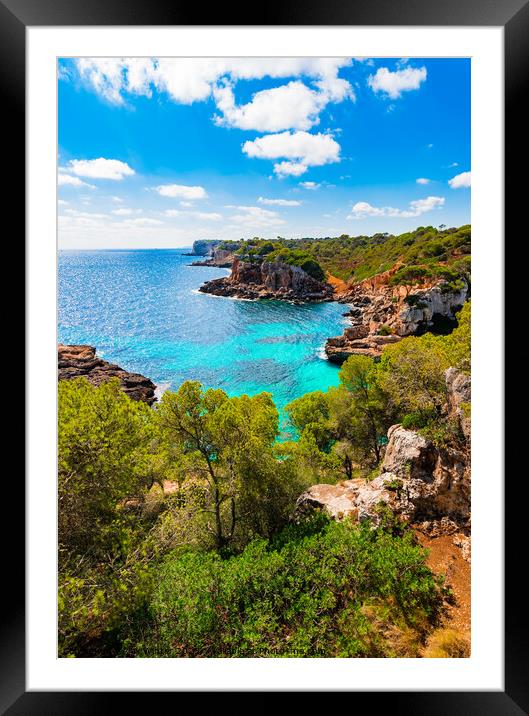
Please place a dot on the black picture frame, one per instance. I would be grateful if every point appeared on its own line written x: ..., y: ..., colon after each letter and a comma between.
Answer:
x: 513, y: 15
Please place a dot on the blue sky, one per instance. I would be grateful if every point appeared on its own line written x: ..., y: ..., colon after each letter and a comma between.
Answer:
x: 160, y: 152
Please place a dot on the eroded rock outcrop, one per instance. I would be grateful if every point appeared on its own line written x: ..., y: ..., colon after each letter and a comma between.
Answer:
x: 339, y: 349
x: 219, y: 258
x: 426, y: 485
x: 459, y: 396
x: 418, y: 482
x: 268, y: 279
x: 382, y: 314
x: 204, y: 247
x: 81, y: 360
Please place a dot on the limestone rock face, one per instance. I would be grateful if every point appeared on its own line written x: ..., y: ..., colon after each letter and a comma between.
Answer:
x: 81, y: 360
x: 339, y: 349
x: 356, y: 499
x: 435, y: 481
x: 376, y: 307
x: 459, y: 398
x: 204, y: 247
x: 419, y: 482
x: 268, y: 279
x: 338, y: 501
x: 408, y: 454
x: 428, y: 303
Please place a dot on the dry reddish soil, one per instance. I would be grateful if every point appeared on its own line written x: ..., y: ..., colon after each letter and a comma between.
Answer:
x: 445, y: 558
x: 337, y: 284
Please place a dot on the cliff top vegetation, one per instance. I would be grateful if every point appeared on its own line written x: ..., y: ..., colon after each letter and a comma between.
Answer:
x: 442, y: 253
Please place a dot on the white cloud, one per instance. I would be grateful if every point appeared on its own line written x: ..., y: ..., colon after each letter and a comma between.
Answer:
x: 421, y: 206
x: 294, y: 169
x: 256, y: 216
x: 68, y: 180
x: 72, y: 219
x: 105, y: 76
x: 84, y: 214
x: 362, y: 209
x: 301, y: 149
x: 453, y: 165
x: 117, y: 199
x: 279, y: 202
x: 309, y: 185
x: 290, y: 106
x: 177, y: 191
x: 126, y: 212
x: 394, y: 83
x: 460, y: 180
x: 422, y: 180
x: 207, y: 215
x: 100, y: 168
x: 188, y: 80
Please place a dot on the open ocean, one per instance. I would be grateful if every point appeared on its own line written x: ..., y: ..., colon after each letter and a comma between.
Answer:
x: 141, y: 309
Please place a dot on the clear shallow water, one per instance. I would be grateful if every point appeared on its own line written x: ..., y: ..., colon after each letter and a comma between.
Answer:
x: 141, y: 309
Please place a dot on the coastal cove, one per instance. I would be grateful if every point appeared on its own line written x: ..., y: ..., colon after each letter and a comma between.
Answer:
x: 142, y: 310
x: 264, y: 382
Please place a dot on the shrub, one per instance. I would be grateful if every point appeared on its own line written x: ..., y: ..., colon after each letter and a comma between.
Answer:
x: 295, y: 257
x: 320, y: 589
x: 416, y: 301
x: 411, y: 373
x: 418, y: 419
x: 104, y: 555
x: 409, y: 276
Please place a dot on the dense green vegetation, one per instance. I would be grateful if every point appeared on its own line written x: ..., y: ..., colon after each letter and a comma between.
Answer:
x: 259, y: 249
x: 341, y: 431
x: 319, y: 589
x: 229, y: 483
x: 211, y: 565
x: 295, y: 257
x: 427, y: 251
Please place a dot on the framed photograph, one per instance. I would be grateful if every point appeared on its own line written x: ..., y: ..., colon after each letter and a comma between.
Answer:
x: 250, y: 432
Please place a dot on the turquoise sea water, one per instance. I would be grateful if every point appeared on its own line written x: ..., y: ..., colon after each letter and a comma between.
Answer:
x: 141, y: 310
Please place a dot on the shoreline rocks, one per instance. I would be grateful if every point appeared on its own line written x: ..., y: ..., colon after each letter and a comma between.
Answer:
x: 340, y: 348
x: 381, y: 314
x: 219, y: 258
x: 75, y: 361
x: 268, y: 280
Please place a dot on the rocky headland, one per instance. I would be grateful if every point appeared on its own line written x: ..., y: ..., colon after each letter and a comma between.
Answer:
x: 381, y: 313
x: 262, y: 279
x: 80, y: 360
x: 219, y: 258
x: 203, y: 247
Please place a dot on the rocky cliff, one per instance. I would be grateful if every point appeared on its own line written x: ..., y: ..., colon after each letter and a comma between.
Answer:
x: 382, y: 314
x: 204, y: 247
x: 80, y: 360
x: 220, y: 258
x: 268, y: 279
x: 426, y: 485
